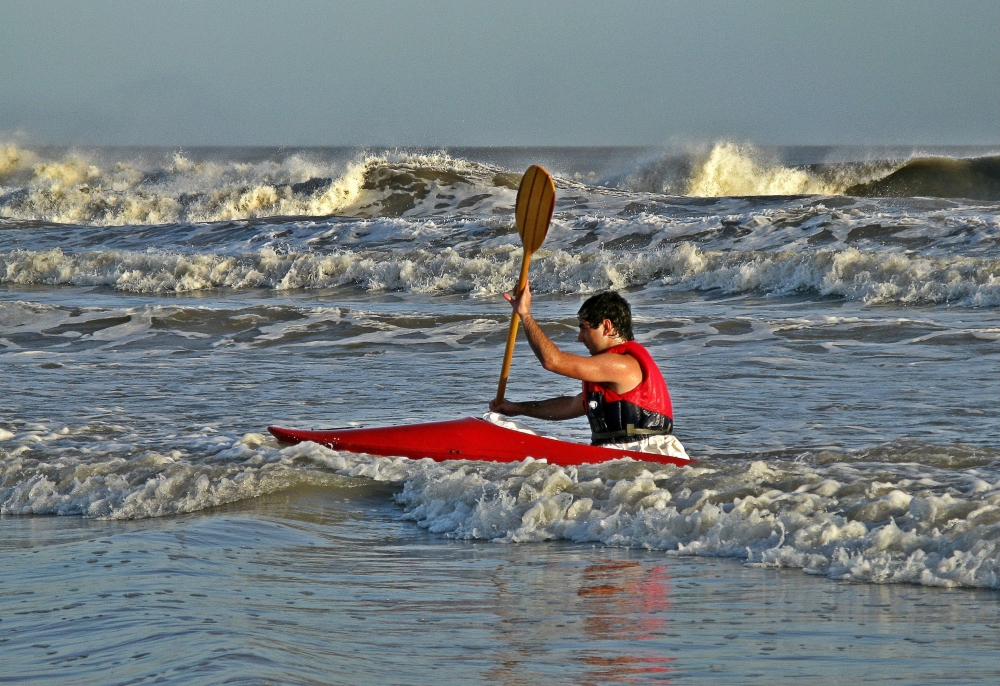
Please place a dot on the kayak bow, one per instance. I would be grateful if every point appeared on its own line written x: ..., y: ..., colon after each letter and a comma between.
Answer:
x: 463, y: 439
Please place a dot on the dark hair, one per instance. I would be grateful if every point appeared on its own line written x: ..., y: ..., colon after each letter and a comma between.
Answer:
x: 608, y: 305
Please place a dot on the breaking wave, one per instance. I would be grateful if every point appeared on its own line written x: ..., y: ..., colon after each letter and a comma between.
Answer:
x: 82, y: 188
x: 149, y: 483
x: 76, y: 190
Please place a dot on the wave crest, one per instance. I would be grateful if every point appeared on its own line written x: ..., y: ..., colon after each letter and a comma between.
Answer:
x: 975, y: 179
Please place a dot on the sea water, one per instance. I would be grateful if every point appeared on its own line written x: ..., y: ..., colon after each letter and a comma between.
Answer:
x: 826, y: 318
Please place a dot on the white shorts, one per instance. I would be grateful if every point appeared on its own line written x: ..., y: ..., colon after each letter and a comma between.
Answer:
x: 657, y: 445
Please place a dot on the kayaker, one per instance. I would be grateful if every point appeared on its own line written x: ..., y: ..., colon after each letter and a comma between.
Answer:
x: 624, y: 395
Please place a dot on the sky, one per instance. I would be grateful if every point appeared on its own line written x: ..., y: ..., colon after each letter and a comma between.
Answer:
x: 500, y: 73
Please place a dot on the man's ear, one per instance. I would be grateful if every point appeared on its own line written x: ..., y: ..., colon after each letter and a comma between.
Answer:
x: 608, y: 329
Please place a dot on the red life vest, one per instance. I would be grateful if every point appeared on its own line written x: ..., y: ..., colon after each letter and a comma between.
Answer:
x: 643, y: 411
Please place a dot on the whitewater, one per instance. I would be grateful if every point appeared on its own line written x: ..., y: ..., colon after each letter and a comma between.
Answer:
x: 827, y: 319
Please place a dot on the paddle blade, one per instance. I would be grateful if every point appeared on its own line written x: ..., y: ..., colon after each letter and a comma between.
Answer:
x: 536, y: 200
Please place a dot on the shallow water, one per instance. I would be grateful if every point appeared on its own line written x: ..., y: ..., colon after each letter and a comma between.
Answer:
x: 328, y: 586
x: 832, y: 362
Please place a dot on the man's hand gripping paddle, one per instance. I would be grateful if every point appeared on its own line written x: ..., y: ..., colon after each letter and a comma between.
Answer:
x: 536, y: 200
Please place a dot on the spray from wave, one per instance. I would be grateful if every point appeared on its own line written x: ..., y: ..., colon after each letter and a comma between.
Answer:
x: 741, y: 170
x: 14, y: 161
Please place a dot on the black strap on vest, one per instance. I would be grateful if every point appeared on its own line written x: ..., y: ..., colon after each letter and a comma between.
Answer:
x: 629, y: 431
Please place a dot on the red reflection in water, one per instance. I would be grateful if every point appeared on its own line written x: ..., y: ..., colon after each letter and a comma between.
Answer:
x: 625, y: 603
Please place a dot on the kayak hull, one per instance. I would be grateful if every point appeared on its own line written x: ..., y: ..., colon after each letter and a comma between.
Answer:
x: 463, y: 439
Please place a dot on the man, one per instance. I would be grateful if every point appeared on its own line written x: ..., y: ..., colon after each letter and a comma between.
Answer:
x: 624, y: 395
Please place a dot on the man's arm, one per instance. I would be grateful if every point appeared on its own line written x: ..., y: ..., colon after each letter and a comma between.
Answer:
x: 620, y: 372
x: 553, y: 409
x: 604, y: 369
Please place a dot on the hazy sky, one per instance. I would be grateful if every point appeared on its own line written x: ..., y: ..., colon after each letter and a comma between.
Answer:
x: 499, y: 73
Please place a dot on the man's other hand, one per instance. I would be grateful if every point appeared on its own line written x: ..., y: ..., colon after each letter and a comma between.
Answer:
x: 505, y: 407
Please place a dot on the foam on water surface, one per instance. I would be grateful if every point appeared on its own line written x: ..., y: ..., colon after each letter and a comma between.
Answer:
x: 900, y: 512
x: 866, y: 276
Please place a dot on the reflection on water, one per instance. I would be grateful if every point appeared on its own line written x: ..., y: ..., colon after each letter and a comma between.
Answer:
x: 625, y: 602
x: 582, y: 612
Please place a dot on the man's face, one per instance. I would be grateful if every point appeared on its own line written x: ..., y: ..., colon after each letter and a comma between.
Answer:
x: 592, y: 337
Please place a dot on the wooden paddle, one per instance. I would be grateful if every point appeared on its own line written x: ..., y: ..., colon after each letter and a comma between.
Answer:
x: 536, y: 200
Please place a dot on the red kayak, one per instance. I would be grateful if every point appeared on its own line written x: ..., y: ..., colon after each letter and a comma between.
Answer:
x: 463, y: 439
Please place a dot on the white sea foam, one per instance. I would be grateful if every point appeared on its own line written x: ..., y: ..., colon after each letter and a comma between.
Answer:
x: 73, y: 192
x: 419, y: 271
x: 901, y: 512
x: 117, y: 483
x: 866, y: 276
x: 832, y: 519
x: 870, y: 277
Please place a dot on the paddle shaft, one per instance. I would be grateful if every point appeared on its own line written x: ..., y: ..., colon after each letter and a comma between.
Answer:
x: 512, y: 334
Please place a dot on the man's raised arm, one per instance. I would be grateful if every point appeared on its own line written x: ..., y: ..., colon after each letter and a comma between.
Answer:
x: 620, y: 372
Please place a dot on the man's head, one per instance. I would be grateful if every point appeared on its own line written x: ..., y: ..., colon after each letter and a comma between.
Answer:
x: 608, y: 305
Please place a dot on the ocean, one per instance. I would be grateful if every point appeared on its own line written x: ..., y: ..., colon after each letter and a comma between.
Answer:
x: 827, y: 319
